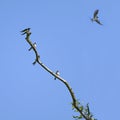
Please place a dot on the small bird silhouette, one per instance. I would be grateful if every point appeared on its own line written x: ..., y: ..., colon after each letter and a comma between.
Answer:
x: 57, y: 73
x: 95, y: 17
x: 34, y: 44
x: 25, y: 31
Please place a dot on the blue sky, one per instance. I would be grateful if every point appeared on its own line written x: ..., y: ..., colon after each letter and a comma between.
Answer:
x: 86, y: 54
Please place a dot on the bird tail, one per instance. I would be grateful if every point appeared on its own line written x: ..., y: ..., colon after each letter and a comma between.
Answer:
x: 23, y: 33
x: 29, y: 48
x: 91, y: 19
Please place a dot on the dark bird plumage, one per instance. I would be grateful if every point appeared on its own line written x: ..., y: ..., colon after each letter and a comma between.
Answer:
x: 95, y: 13
x: 34, y: 44
x: 95, y: 17
x: 57, y: 73
x: 25, y: 31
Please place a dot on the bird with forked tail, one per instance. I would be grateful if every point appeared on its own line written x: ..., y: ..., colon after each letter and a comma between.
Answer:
x: 57, y: 73
x: 95, y: 17
x: 25, y: 31
x: 34, y: 44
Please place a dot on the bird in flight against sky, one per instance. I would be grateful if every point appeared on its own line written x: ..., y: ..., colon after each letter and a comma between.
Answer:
x: 95, y: 17
x: 57, y: 73
x: 25, y: 31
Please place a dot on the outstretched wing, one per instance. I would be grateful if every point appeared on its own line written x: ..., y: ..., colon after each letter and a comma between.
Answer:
x: 99, y: 22
x: 25, y: 30
x: 95, y: 13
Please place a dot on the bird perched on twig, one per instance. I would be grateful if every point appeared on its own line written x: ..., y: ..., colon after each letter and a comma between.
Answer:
x: 25, y: 31
x: 57, y: 73
x: 95, y: 17
x: 34, y: 44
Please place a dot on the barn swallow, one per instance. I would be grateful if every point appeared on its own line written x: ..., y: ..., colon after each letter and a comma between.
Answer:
x: 34, y: 44
x: 57, y: 73
x: 25, y: 31
x: 95, y: 17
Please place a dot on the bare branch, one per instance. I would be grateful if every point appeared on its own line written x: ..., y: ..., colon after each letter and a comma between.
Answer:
x: 75, y: 102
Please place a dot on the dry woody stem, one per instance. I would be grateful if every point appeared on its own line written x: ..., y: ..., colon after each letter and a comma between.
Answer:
x: 38, y: 60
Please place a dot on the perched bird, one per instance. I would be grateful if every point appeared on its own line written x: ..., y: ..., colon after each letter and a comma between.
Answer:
x: 57, y: 73
x: 25, y: 31
x: 34, y: 44
x: 95, y: 17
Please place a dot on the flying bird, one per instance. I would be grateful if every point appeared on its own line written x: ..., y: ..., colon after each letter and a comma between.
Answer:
x: 34, y: 44
x: 25, y: 31
x: 95, y: 17
x: 57, y: 73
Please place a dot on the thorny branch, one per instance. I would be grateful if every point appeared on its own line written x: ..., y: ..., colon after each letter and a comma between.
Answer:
x: 84, y: 111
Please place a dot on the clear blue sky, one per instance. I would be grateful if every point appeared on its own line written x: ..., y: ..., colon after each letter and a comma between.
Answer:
x: 86, y: 54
